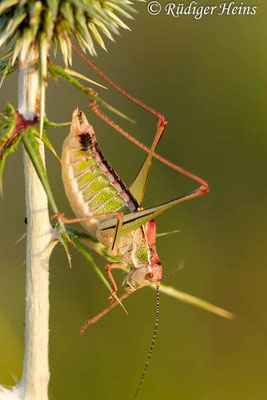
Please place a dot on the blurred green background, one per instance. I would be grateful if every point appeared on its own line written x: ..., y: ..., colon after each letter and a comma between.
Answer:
x: 208, y: 77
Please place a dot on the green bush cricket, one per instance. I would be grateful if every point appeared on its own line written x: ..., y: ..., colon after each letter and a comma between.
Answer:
x: 112, y: 212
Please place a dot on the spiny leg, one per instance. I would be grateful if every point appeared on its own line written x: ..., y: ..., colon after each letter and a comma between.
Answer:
x: 114, y: 245
x: 204, y: 188
x: 108, y: 269
x: 147, y: 108
x: 138, y: 218
x: 139, y: 184
x: 117, y: 87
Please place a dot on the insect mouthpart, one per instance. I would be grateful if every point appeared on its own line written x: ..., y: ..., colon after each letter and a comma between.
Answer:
x: 143, y: 276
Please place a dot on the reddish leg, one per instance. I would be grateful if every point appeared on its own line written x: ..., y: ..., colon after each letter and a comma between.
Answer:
x: 108, y: 268
x: 115, y: 242
x: 104, y: 312
x: 162, y: 123
x: 117, y: 87
x: 204, y: 188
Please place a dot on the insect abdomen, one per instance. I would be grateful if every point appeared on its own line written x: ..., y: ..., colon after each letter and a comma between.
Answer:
x: 91, y: 184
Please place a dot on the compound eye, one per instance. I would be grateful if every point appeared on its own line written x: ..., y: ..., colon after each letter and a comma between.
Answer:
x: 149, y: 275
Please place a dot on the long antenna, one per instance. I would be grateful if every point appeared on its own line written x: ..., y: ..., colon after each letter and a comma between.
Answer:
x: 151, y: 347
x: 178, y: 268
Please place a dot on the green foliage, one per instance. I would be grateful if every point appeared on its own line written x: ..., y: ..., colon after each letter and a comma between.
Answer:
x: 32, y: 148
x: 195, y: 301
x: 9, y: 137
x: 30, y: 141
x: 74, y: 237
x: 6, y: 66
x: 44, y: 24
x: 13, y: 130
x: 68, y: 75
x: 83, y: 250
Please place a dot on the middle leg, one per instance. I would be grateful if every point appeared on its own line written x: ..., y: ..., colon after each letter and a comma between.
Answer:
x: 109, y: 267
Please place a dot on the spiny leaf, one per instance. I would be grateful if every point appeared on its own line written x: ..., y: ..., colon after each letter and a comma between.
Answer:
x: 32, y: 148
x: 80, y: 235
x: 103, y: 29
x: 89, y: 258
x: 7, y: 54
x: 50, y: 124
x: 48, y: 23
x: 48, y: 144
x: 80, y: 25
x: 91, y: 261
x: 59, y: 19
x: 53, y: 6
x: 12, y: 25
x: 93, y: 243
x: 60, y: 71
x: 117, y: 20
x: 8, y: 135
x: 67, y: 12
x: 64, y: 239
x: 17, y: 48
x: 63, y: 47
x: 120, y: 10
x: 80, y: 76
x: 96, y: 35
x: 7, y: 70
x: 195, y: 301
x: 35, y: 8
x: 98, y: 247
x: 7, y: 4
x: 11, y: 149
x: 26, y: 43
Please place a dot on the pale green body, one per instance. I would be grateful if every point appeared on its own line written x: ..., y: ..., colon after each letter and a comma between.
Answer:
x: 108, y: 210
x: 93, y: 189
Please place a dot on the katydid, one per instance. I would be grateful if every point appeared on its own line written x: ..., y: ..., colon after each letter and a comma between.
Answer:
x: 112, y: 212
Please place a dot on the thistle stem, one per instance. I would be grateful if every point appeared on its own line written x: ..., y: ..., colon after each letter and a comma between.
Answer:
x: 35, y: 377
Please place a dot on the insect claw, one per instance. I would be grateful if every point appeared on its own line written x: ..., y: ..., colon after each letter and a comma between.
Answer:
x: 204, y: 188
x: 111, y: 297
x: 162, y: 122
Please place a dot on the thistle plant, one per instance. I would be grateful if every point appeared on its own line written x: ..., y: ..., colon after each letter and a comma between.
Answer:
x: 29, y: 32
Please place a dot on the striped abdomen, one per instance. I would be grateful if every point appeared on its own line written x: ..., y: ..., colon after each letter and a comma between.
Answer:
x: 91, y: 184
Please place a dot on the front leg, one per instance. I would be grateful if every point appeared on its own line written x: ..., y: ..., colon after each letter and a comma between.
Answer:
x: 109, y: 267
